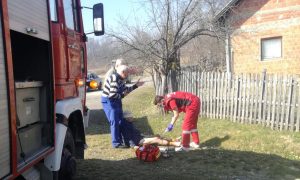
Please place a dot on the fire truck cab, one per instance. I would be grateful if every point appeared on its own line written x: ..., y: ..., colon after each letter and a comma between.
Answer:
x: 43, y: 68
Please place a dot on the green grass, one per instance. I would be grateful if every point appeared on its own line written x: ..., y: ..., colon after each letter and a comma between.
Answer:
x: 230, y: 150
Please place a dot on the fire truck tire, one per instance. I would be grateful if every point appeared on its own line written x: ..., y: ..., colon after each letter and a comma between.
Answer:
x: 68, y: 163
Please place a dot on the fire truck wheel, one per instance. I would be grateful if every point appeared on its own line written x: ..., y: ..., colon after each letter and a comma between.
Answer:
x: 68, y: 162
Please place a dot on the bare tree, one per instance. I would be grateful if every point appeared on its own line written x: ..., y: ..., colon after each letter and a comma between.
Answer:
x: 170, y: 25
x: 205, y: 53
x: 101, y: 53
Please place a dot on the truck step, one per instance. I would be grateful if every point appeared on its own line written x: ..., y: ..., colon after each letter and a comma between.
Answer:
x: 32, y: 174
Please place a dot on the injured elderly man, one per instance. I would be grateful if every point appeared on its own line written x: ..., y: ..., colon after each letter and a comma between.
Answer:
x: 160, y: 141
x: 135, y: 138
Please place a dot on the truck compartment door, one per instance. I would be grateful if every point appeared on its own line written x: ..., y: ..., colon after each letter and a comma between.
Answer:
x: 4, y: 121
x: 29, y: 17
x: 33, y: 77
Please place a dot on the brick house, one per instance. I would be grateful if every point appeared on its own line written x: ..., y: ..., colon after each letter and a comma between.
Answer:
x: 262, y: 34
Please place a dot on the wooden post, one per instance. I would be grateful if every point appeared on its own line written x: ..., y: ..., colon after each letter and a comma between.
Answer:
x: 232, y: 98
x: 293, y: 106
x: 248, y: 97
x: 289, y: 103
x: 224, y: 98
x: 298, y: 110
x: 274, y: 101
x: 218, y: 93
x: 244, y: 98
x: 251, y: 100
x: 261, y: 97
x: 227, y: 97
x: 279, y: 104
x: 205, y: 94
x: 257, y: 92
x: 236, y: 98
x: 284, y: 83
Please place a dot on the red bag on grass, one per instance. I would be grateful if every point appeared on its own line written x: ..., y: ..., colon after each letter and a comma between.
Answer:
x: 148, y: 153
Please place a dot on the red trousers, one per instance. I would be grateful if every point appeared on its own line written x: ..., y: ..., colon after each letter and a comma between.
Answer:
x: 189, y: 126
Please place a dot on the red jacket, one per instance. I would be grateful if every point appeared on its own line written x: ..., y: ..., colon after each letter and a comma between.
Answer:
x: 180, y: 100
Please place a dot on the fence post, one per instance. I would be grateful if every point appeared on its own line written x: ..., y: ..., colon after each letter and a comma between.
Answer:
x: 283, y: 102
x: 269, y: 100
x: 200, y: 92
x: 236, y: 99
x: 289, y: 104
x: 243, y: 98
x: 215, y: 94
x: 298, y: 110
x: 228, y: 96
x: 280, y: 103
x: 232, y: 97
x: 205, y: 94
x: 247, y: 98
x: 261, y: 103
x: 265, y: 100
x: 211, y: 95
x: 250, y: 100
x: 275, y: 89
x: 217, y: 112
x: 293, y: 108
x: 256, y: 90
x: 222, y: 89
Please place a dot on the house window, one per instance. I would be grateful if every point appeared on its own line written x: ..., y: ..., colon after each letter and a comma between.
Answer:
x: 271, y: 48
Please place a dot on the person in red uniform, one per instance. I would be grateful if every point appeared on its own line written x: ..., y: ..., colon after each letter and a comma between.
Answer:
x: 189, y: 104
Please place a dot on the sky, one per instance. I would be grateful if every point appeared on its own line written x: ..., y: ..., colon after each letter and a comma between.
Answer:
x: 113, y: 9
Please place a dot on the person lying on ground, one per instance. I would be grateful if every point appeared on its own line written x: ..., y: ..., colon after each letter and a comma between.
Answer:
x: 158, y: 140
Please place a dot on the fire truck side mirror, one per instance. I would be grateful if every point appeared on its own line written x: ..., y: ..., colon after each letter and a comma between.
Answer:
x: 98, y: 18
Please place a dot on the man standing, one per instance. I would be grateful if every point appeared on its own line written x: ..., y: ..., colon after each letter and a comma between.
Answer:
x: 113, y: 91
x: 189, y: 104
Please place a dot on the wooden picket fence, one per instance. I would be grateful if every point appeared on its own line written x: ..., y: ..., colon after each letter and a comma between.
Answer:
x: 270, y: 100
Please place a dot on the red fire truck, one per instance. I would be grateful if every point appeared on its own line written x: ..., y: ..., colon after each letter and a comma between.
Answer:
x: 42, y: 87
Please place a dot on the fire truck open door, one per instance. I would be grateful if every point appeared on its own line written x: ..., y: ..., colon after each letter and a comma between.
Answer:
x: 4, y: 114
x: 33, y: 80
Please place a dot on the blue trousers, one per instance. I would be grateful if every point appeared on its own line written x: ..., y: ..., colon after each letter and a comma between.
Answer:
x: 121, y: 130
x: 114, y: 114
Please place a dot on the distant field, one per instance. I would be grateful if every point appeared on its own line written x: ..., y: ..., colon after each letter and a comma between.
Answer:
x: 99, y: 71
x: 229, y: 150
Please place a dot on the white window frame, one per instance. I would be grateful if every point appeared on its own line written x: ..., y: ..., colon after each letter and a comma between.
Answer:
x: 271, y: 48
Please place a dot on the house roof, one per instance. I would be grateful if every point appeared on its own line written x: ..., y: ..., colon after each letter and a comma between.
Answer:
x: 225, y: 9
